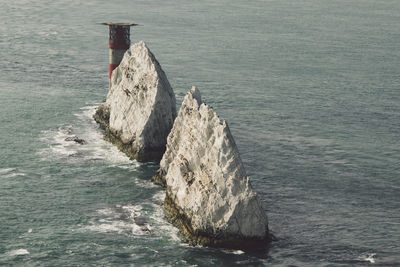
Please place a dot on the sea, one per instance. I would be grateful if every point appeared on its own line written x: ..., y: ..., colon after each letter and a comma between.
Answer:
x: 309, y: 88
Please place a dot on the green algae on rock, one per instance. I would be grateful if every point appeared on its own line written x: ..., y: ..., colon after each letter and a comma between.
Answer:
x: 178, y: 218
x: 159, y: 178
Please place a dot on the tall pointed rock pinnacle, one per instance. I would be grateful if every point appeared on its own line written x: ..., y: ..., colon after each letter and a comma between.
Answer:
x: 140, y: 107
x: 209, y: 196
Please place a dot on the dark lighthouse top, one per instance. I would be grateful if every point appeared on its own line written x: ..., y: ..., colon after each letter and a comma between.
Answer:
x: 119, y: 37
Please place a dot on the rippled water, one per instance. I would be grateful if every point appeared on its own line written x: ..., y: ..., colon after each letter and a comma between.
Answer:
x: 310, y: 89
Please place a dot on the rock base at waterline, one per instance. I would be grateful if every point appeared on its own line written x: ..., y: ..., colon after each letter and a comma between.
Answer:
x: 179, y: 219
x: 102, y: 118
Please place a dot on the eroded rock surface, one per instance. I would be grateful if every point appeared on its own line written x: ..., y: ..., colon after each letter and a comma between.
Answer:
x: 140, y: 107
x: 209, y: 197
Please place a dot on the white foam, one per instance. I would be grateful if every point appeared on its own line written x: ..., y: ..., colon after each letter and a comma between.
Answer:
x: 18, y: 252
x: 145, y: 183
x: 146, y: 219
x: 368, y: 257
x: 159, y: 197
x: 43, y: 33
x: 120, y: 219
x: 238, y: 252
x: 57, y: 146
x: 6, y: 170
x: 105, y: 212
x: 119, y: 227
x: 162, y: 227
x: 10, y: 173
x: 231, y: 251
x: 96, y: 148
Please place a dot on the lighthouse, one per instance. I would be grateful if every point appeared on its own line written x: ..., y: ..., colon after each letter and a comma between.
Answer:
x: 119, y: 42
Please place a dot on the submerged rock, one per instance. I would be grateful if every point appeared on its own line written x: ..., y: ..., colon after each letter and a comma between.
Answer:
x: 76, y: 139
x: 140, y: 107
x: 209, y: 197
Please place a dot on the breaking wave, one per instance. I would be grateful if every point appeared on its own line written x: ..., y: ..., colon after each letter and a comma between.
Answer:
x: 10, y: 173
x: 18, y: 252
x: 81, y: 141
x: 143, y: 220
x: 369, y: 257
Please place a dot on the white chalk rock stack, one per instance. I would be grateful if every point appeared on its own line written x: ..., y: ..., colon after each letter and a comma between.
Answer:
x: 209, y: 197
x: 140, y: 107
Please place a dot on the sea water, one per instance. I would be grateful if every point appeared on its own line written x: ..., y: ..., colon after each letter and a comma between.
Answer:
x: 309, y: 88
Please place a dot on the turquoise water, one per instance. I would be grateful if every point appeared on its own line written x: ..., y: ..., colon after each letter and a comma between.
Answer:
x: 310, y: 89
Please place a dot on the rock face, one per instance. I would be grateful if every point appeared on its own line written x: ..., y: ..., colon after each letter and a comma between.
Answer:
x: 140, y: 107
x: 209, y: 197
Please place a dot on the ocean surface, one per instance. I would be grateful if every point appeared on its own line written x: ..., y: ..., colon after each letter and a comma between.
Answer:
x: 310, y: 89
